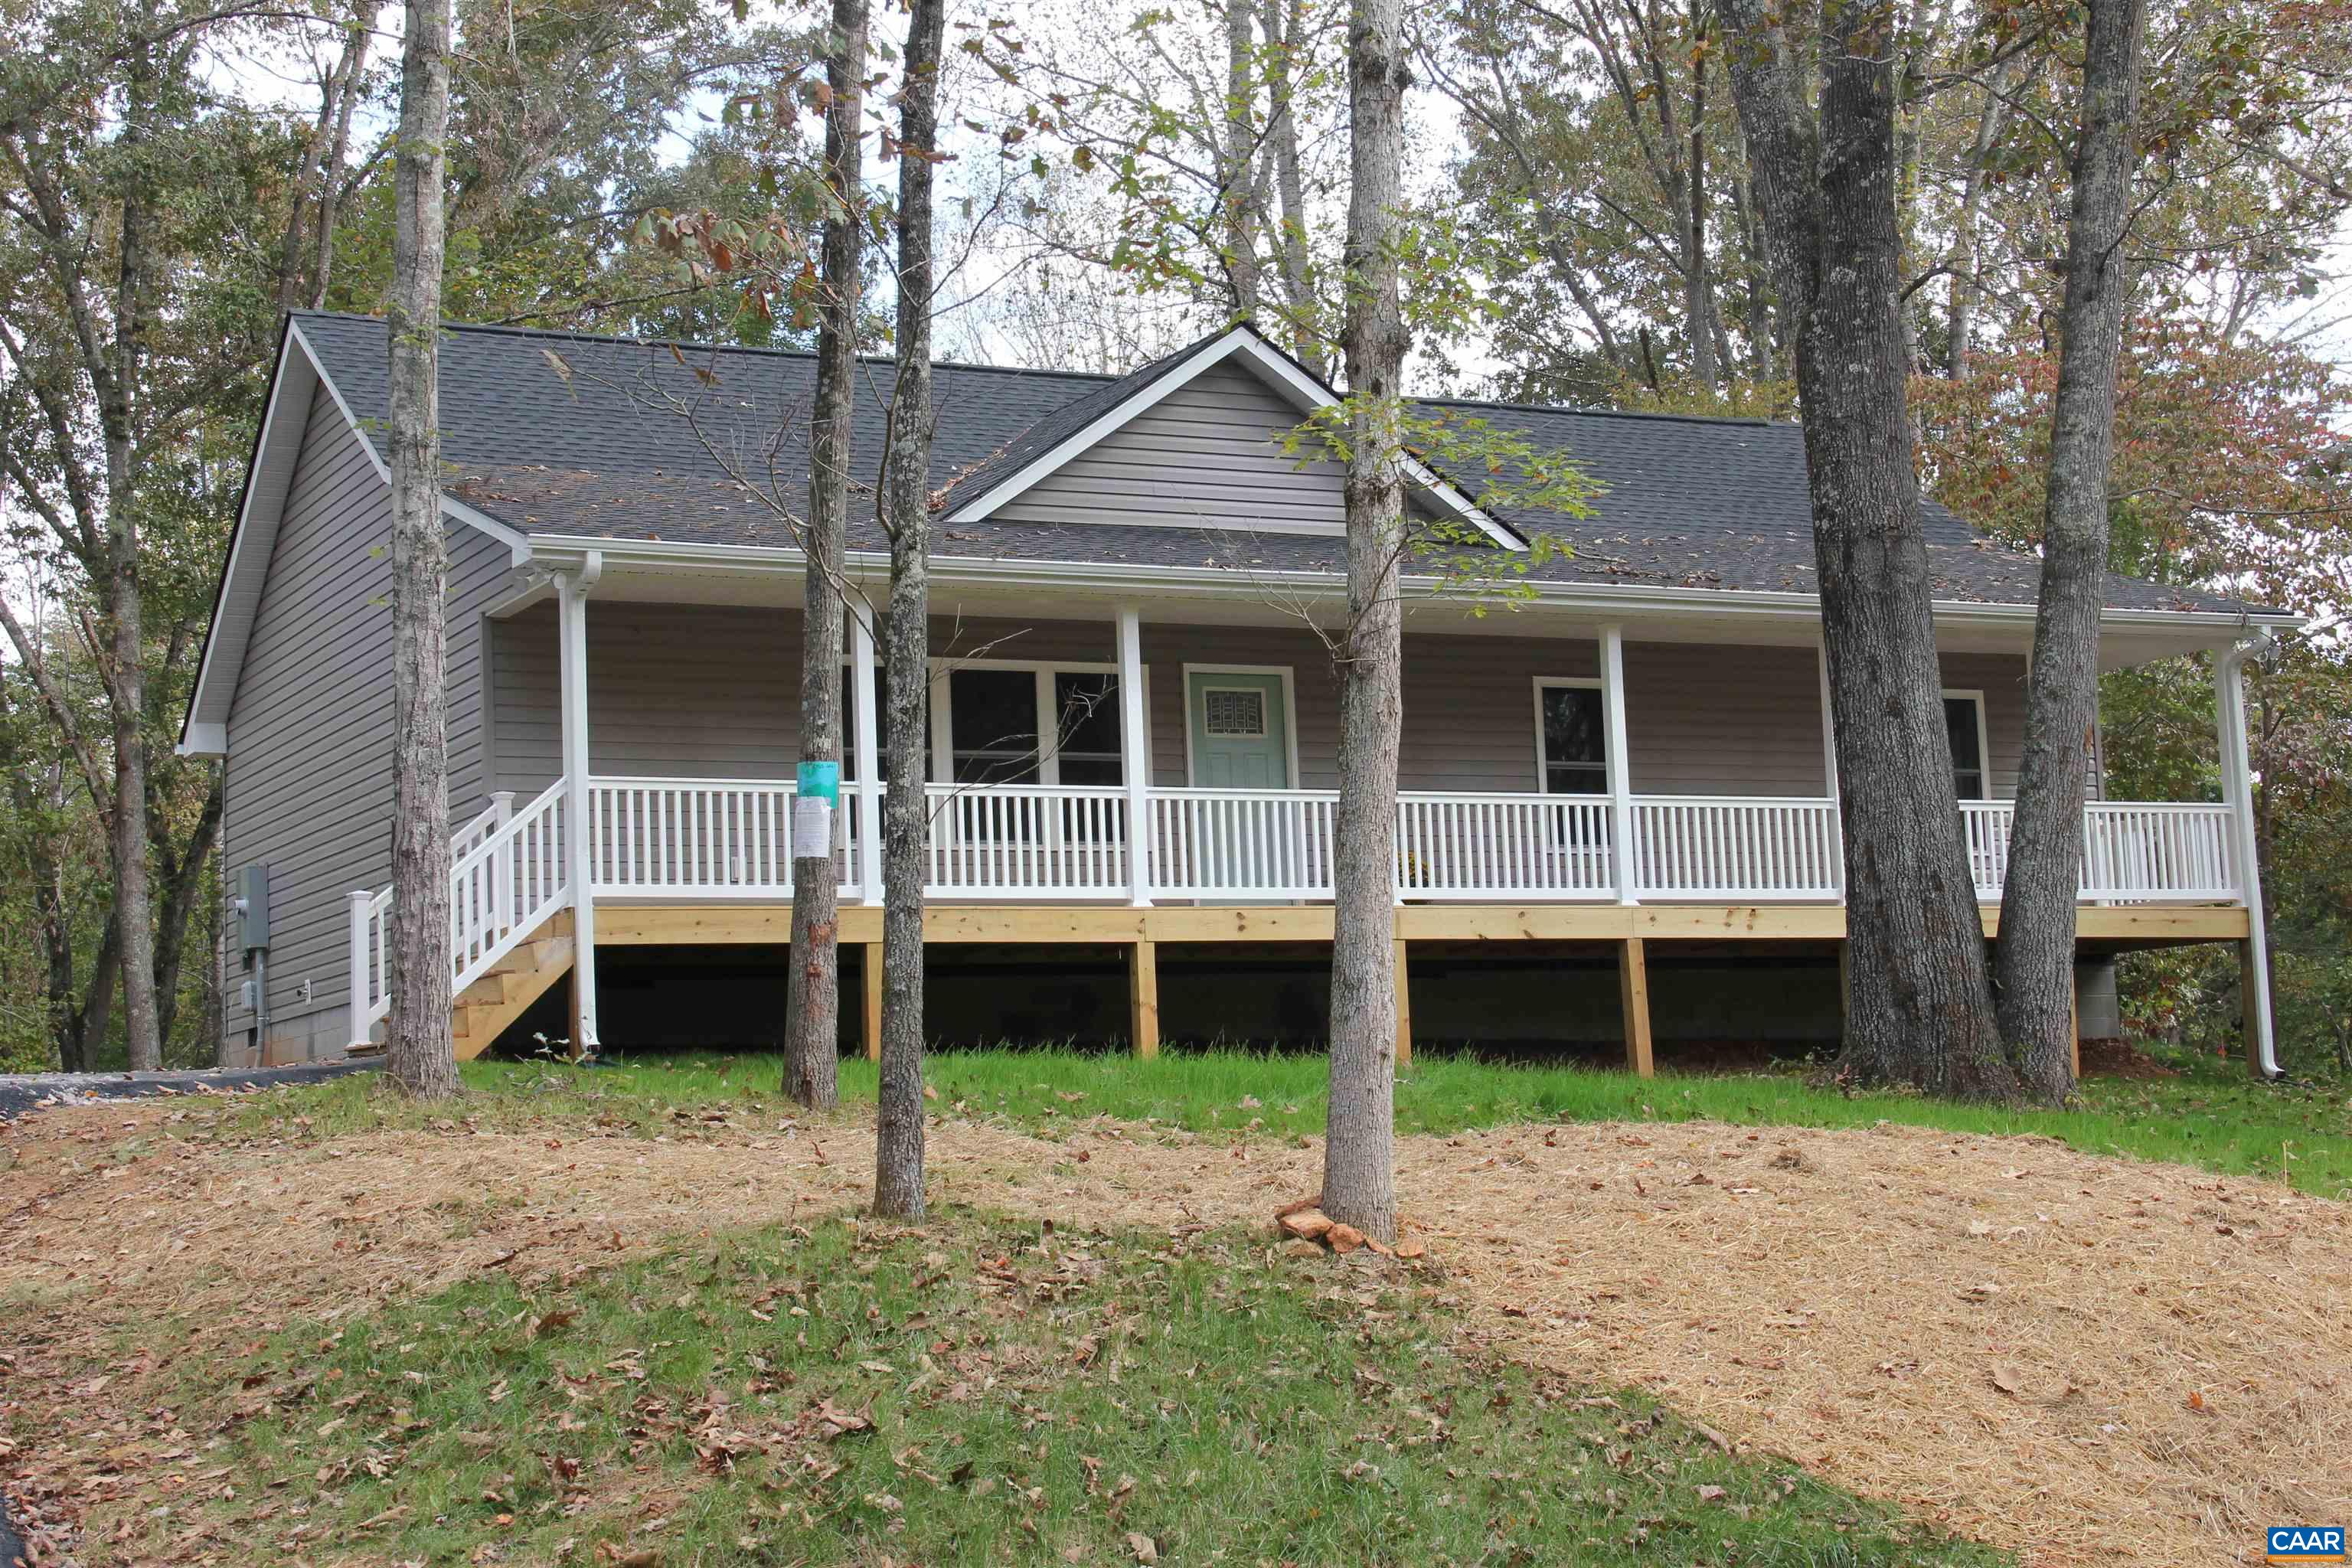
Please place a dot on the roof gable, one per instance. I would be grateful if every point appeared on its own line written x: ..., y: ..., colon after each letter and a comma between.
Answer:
x: 1180, y: 442
x: 1209, y: 455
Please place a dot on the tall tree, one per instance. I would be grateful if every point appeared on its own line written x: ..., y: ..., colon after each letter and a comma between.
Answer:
x: 420, y: 1057
x: 119, y: 181
x: 813, y: 1011
x: 1358, y: 1153
x: 906, y: 499
x: 2035, y: 958
x: 1919, y: 1007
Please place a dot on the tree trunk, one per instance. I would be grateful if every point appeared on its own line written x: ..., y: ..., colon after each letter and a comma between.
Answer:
x: 330, y: 184
x: 126, y: 677
x: 1919, y: 1001
x: 1358, y: 1153
x: 183, y: 881
x: 2035, y: 962
x: 1699, y: 281
x: 1960, y: 325
x: 899, y: 1126
x: 813, y: 1008
x: 419, y: 1057
x: 1284, y: 30
x: 1238, y: 159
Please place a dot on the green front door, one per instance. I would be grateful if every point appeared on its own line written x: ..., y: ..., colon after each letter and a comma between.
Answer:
x: 1240, y: 730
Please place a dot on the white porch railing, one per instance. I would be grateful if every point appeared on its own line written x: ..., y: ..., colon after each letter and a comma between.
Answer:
x: 2133, y: 851
x: 1038, y: 841
x: 702, y: 839
x: 726, y: 839
x: 708, y: 838
x: 506, y: 877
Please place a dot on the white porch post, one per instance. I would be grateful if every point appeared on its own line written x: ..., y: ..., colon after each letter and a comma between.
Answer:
x: 362, y: 902
x: 1621, y: 788
x: 1135, y: 756
x: 2237, y: 793
x: 1829, y: 772
x: 869, y: 752
x: 1829, y: 725
x: 572, y: 650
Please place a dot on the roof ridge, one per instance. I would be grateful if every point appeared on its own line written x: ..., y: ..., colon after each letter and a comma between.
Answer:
x: 510, y: 328
x: 1602, y: 411
x: 574, y: 335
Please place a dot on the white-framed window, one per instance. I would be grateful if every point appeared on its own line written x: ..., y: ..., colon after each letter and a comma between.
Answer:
x: 1964, y: 722
x: 1572, y: 736
x: 1023, y: 721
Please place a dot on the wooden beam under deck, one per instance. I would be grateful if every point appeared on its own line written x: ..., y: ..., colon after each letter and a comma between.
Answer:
x: 669, y: 925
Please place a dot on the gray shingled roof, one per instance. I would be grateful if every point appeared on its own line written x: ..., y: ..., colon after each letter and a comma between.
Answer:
x: 637, y: 440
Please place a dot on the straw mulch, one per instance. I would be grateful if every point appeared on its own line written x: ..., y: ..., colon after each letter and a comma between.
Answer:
x: 2088, y: 1361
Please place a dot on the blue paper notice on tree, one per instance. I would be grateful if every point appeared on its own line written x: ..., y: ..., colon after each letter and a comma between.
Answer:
x: 821, y: 781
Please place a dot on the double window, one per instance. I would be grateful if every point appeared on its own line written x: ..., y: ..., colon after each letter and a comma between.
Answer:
x: 1003, y: 723
x: 1572, y: 738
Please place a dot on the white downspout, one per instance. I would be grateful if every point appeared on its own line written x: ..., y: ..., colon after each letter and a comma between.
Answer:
x: 2237, y: 793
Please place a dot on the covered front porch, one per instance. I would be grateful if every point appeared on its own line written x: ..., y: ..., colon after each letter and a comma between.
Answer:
x: 1152, y: 770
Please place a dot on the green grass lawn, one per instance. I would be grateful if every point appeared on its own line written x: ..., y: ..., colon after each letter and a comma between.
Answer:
x: 2209, y: 1116
x: 978, y: 1393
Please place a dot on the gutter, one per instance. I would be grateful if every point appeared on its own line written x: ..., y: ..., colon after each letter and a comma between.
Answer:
x: 558, y: 552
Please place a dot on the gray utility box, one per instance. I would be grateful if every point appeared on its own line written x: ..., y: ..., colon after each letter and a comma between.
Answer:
x: 252, y: 906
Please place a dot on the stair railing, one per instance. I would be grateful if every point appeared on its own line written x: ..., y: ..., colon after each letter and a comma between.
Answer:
x: 506, y: 879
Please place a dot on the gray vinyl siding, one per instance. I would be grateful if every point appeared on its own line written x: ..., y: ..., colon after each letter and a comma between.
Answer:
x: 713, y: 693
x: 308, y: 786
x: 1208, y: 452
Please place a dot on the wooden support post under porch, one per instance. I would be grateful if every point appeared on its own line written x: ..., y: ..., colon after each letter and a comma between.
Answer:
x: 1633, y: 989
x: 1143, y: 999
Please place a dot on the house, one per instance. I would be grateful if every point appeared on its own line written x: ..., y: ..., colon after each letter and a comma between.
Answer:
x: 1624, y: 766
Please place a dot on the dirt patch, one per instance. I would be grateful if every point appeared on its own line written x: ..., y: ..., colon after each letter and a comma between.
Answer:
x: 2086, y: 1360
x: 2121, y: 1058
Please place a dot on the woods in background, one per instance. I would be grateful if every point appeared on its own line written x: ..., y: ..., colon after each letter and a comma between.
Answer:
x: 1583, y: 223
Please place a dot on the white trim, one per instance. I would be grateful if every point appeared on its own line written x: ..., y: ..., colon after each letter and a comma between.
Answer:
x: 1984, y: 738
x: 1543, y: 761
x: 266, y: 450
x: 1123, y: 580
x: 518, y: 543
x: 1303, y: 391
x: 294, y: 331
x: 1289, y: 713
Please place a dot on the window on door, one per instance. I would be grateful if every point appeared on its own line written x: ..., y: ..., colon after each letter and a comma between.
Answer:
x: 1571, y: 741
x: 1964, y: 722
